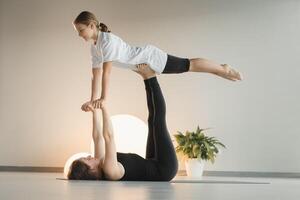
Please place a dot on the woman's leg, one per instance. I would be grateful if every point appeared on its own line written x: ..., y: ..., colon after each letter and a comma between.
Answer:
x: 146, y: 73
x: 208, y: 66
x: 150, y: 148
x: 163, y: 146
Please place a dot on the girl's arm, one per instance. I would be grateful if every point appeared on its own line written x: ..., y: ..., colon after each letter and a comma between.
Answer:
x: 99, y: 149
x: 111, y: 167
x: 95, y: 94
x: 105, y: 79
x: 105, y: 84
x: 96, y: 79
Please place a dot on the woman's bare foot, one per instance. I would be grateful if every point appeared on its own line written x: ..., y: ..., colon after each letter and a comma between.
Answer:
x: 229, y: 73
x: 145, y: 71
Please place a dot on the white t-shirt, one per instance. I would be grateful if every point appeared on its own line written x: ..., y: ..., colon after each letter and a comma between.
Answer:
x: 110, y: 47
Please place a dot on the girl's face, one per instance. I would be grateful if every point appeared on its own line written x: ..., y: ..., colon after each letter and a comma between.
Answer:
x: 84, y: 31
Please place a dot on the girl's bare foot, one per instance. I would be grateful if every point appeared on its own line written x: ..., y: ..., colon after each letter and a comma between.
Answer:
x: 229, y: 73
x: 145, y: 71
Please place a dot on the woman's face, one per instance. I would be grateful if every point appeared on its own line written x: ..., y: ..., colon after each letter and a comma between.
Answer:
x: 93, y: 163
x: 84, y: 31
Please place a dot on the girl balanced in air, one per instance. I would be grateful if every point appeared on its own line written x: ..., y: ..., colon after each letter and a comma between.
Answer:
x: 107, y: 48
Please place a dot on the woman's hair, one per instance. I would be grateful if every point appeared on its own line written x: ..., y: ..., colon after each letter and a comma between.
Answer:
x: 81, y: 171
x: 87, y: 17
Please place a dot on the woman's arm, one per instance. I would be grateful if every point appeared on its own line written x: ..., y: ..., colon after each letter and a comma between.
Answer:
x: 99, y: 149
x: 111, y: 167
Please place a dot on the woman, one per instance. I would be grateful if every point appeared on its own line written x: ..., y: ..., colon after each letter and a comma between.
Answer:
x: 107, y: 47
x: 160, y: 163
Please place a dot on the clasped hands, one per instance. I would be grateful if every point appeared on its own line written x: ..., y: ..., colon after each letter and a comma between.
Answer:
x: 92, y: 105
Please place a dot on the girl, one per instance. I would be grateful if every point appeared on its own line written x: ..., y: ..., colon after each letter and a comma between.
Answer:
x: 107, y: 47
x: 160, y: 163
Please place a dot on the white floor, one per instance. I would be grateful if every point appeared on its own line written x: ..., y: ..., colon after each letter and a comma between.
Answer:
x: 44, y: 186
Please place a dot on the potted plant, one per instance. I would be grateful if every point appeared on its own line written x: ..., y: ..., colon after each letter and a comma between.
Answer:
x: 197, y: 148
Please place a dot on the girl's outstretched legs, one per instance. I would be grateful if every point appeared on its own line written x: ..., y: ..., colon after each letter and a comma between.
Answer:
x: 208, y: 66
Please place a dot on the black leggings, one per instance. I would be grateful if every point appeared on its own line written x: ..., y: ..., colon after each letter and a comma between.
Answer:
x: 176, y: 65
x: 159, y: 145
x: 161, y: 162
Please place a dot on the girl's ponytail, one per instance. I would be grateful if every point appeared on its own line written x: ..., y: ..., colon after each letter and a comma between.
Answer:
x: 103, y: 28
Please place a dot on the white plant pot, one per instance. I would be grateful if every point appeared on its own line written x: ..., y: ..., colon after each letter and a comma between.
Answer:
x: 194, y: 167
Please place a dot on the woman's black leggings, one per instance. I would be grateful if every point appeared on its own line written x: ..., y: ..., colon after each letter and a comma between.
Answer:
x: 159, y: 145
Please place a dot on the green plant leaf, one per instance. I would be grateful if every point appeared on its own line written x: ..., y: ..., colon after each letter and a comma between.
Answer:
x: 197, y: 144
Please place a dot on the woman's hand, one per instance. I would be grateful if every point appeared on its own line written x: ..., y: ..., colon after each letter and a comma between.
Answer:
x: 88, y: 106
x: 144, y: 70
x: 141, y: 66
x: 98, y: 103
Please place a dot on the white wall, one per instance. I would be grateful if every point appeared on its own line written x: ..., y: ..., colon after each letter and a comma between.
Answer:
x: 45, y: 77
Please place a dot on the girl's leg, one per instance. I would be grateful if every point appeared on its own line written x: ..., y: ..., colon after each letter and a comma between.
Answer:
x: 176, y: 65
x: 165, y: 152
x: 208, y: 66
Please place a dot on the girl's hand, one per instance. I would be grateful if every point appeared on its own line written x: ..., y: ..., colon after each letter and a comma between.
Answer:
x: 99, y: 103
x: 88, y: 106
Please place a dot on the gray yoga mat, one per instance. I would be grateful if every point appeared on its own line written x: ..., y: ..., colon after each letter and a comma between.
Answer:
x: 201, y: 181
